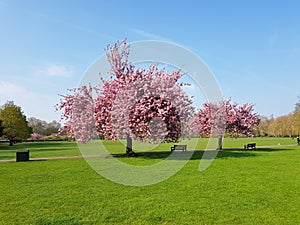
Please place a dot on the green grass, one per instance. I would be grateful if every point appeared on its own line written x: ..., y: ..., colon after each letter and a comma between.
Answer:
x: 39, y: 149
x: 53, y: 149
x: 240, y: 187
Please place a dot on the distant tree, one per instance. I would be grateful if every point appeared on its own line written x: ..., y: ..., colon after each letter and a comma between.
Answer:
x: 282, y: 126
x: 218, y: 118
x: 1, y: 128
x: 262, y: 129
x: 42, y: 127
x: 38, y: 126
x: 14, y: 123
x: 52, y: 127
x: 297, y: 105
x: 296, y: 123
x: 272, y: 128
x: 285, y: 125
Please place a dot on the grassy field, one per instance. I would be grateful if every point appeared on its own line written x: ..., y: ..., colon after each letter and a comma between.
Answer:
x: 56, y: 149
x: 240, y: 187
x: 39, y: 149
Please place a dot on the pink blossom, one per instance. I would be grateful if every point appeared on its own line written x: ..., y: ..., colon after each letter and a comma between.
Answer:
x: 226, y: 117
x: 146, y: 104
x: 36, y: 136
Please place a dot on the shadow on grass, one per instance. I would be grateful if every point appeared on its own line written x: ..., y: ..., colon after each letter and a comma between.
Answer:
x: 225, y: 153
x: 271, y: 149
x: 263, y: 149
x: 196, y: 156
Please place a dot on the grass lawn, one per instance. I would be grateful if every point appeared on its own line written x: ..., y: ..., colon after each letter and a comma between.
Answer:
x: 240, y: 187
x: 54, y: 149
x: 39, y: 149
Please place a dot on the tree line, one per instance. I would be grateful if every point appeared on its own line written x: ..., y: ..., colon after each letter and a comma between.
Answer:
x: 282, y: 126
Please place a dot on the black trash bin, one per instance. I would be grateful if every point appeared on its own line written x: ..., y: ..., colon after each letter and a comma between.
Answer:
x: 22, y: 156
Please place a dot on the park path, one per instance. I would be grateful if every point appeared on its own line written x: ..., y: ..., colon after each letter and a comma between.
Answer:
x: 108, y: 155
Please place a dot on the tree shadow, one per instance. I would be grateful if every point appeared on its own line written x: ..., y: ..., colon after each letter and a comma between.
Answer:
x: 198, y: 154
x: 272, y: 149
x: 259, y: 149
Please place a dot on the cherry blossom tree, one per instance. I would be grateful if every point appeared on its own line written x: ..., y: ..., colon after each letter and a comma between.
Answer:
x: 78, y: 112
x: 214, y: 119
x: 145, y: 104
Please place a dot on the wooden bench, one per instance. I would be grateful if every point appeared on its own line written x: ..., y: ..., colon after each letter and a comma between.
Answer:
x: 178, y: 147
x: 250, y: 145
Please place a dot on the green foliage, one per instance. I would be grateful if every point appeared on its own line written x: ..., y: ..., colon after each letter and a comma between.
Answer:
x: 240, y: 187
x: 1, y: 128
x: 15, y: 126
x: 296, y: 123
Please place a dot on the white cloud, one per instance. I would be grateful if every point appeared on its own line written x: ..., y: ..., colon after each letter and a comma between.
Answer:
x: 32, y: 103
x: 56, y: 70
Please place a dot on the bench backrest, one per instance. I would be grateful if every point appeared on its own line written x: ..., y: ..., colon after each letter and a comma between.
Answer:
x: 180, y: 146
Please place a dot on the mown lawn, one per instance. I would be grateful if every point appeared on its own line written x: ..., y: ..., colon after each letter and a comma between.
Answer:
x: 54, y: 149
x: 240, y: 187
x: 39, y: 149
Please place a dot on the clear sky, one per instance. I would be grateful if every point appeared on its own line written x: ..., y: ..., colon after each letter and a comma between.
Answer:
x: 252, y: 47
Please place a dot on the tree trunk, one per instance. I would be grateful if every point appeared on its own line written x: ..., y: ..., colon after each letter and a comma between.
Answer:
x: 129, y: 151
x: 220, y: 142
x: 11, y: 142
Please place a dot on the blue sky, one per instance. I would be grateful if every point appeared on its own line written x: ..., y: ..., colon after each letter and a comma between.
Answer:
x: 252, y: 47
